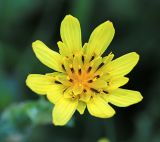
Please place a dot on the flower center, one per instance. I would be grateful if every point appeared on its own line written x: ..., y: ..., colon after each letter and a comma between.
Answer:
x: 84, y: 75
x: 82, y: 79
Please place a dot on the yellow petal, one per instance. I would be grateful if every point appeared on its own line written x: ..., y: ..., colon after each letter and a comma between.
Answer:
x: 62, y: 48
x: 122, y: 65
x: 40, y: 84
x: 68, y: 93
x: 53, y: 74
x: 100, y: 39
x: 81, y: 107
x: 95, y: 64
x: 77, y: 64
x: 108, y: 58
x: 71, y: 34
x: 99, y: 83
x: 98, y: 107
x: 85, y: 97
x: 55, y: 93
x: 77, y: 89
x: 124, y: 97
x: 117, y: 82
x: 47, y: 56
x: 63, y: 111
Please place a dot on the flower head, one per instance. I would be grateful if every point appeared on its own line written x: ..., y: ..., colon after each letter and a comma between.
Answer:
x: 83, y: 78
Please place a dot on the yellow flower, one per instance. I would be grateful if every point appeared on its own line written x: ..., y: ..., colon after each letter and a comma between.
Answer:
x: 83, y: 78
x: 103, y: 140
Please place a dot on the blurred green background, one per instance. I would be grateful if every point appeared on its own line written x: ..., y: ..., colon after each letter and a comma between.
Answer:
x: 25, y: 117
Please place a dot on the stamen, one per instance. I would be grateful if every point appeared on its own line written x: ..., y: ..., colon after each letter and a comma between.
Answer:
x: 94, y: 90
x: 92, y: 58
x: 72, y: 70
x: 71, y: 80
x: 83, y: 59
x: 63, y: 67
x: 97, y: 76
x: 89, y: 69
x: 105, y: 92
x: 79, y: 71
x: 84, y: 90
x: 57, y: 82
x: 100, y: 66
x: 90, y: 81
x: 64, y: 90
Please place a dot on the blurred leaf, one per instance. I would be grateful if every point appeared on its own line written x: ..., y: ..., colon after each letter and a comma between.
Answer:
x: 8, y: 89
x: 19, y: 119
x: 30, y: 112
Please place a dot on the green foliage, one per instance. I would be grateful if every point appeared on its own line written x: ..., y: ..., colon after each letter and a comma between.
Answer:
x: 21, y: 117
x: 30, y: 112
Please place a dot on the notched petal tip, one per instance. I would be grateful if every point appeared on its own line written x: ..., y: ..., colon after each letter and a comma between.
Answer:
x: 70, y: 32
x: 63, y: 111
x: 140, y: 97
x: 100, y: 39
x: 123, y: 65
x: 27, y: 79
x: 47, y: 56
x: 109, y: 23
x: 135, y: 55
x: 39, y: 83
x: 70, y: 18
x: 124, y: 97
x: 109, y: 26
x: 36, y: 43
x: 98, y: 107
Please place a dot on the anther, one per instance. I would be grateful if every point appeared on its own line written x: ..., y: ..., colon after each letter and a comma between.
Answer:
x: 91, y: 58
x: 97, y: 76
x: 72, y: 70
x: 71, y: 80
x: 82, y: 58
x: 100, y: 66
x: 105, y: 92
x: 57, y: 82
x: 73, y: 97
x: 90, y: 81
x: 84, y: 90
x: 63, y: 67
x: 89, y: 69
x: 94, y: 90
x: 79, y: 71
x: 64, y: 90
